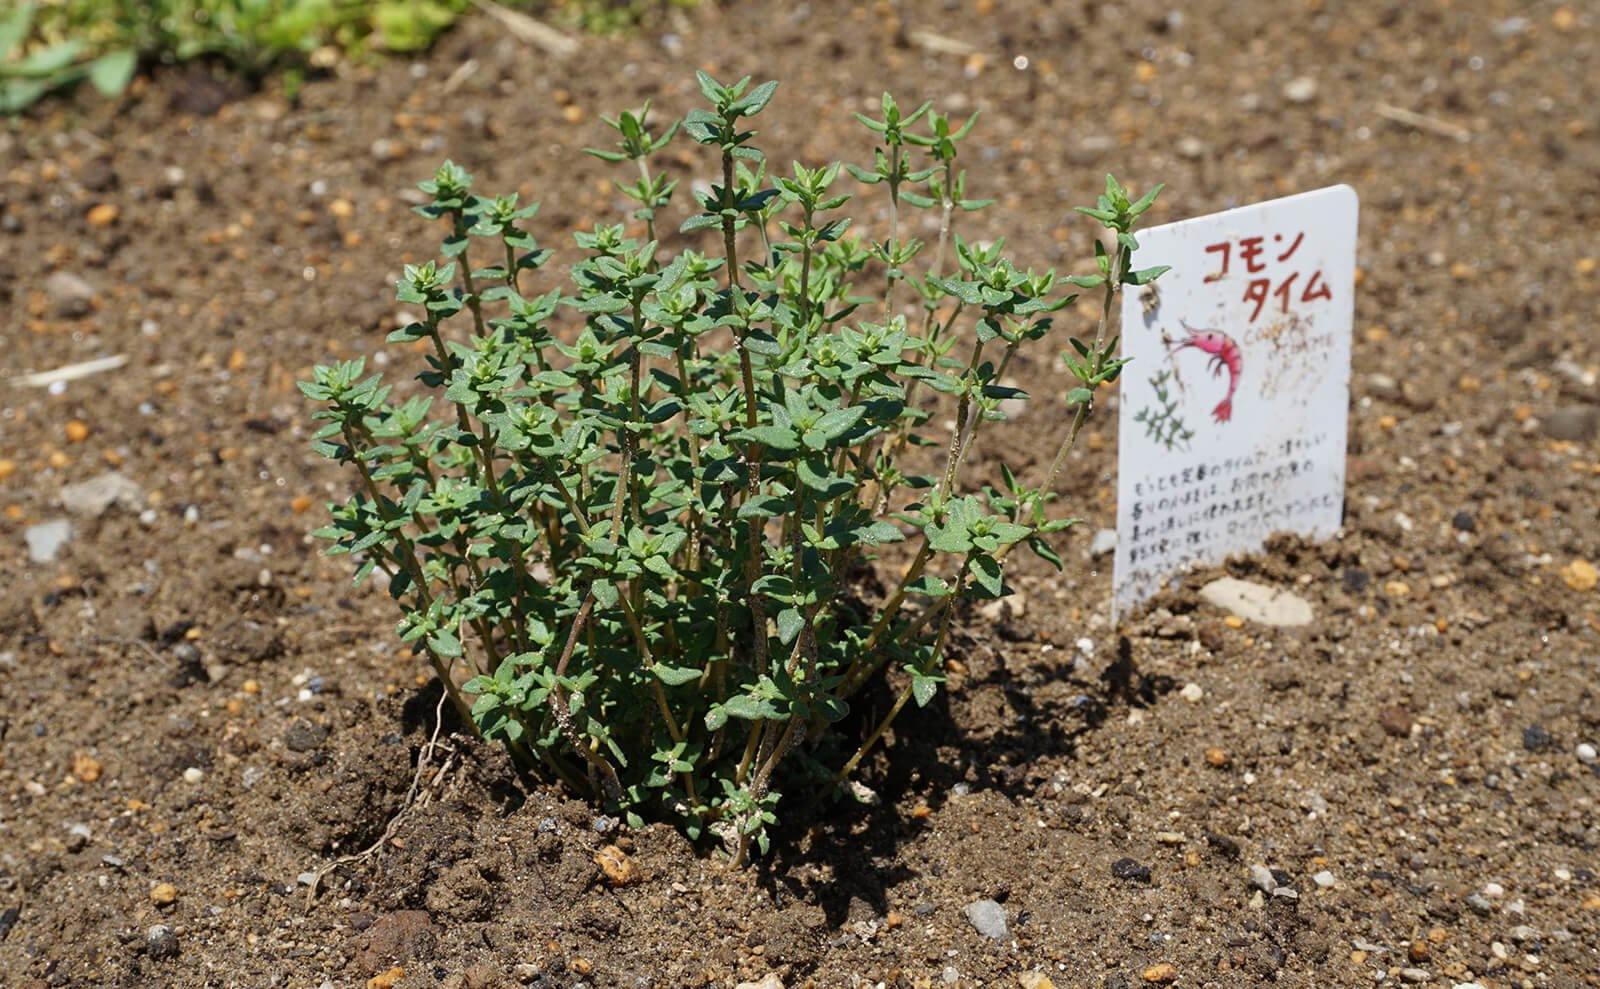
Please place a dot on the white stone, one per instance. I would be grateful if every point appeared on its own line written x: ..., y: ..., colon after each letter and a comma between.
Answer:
x: 863, y: 793
x: 1300, y: 89
x: 193, y: 775
x: 1257, y: 602
x: 988, y: 917
x: 92, y: 498
x: 1262, y: 878
x: 771, y: 981
x: 46, y: 539
x: 1323, y: 879
x: 1586, y: 753
x: 1192, y: 692
x: 1104, y: 541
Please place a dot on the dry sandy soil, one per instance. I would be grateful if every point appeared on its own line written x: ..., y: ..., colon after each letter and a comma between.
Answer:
x: 196, y: 710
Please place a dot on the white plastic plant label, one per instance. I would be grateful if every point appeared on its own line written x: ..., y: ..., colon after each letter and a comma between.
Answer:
x: 1233, y: 410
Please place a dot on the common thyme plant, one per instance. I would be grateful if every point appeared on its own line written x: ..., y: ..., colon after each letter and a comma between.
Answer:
x: 632, y: 524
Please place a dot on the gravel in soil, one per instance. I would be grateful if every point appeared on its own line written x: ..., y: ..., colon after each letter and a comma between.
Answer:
x: 201, y: 719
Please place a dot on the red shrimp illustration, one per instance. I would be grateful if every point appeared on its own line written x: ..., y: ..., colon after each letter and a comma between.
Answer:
x: 1224, y: 353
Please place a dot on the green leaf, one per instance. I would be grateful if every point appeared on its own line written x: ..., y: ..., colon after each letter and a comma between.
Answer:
x: 444, y: 643
x: 814, y: 474
x: 750, y: 708
x: 709, y: 88
x: 923, y: 688
x: 675, y: 676
x: 831, y: 708
x: 765, y: 506
x: 699, y: 222
x: 986, y: 574
x: 773, y: 437
x: 1044, y: 551
x: 1146, y: 275
x: 49, y: 61
x: 790, y: 622
x: 949, y: 539
x: 110, y: 72
x: 14, y: 27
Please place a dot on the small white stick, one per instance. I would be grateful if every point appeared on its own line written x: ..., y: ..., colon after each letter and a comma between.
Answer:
x: 533, y: 32
x: 44, y: 379
x: 1432, y: 125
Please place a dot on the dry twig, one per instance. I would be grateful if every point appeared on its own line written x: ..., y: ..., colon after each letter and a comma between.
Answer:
x: 533, y: 32
x: 1423, y: 122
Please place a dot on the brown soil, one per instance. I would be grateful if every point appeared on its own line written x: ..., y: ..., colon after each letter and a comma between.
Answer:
x: 195, y: 708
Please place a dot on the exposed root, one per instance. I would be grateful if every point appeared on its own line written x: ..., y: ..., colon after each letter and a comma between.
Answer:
x: 419, y: 795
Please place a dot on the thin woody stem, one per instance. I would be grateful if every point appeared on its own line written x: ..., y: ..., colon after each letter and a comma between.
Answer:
x: 560, y: 707
x: 1084, y: 408
x: 900, y: 702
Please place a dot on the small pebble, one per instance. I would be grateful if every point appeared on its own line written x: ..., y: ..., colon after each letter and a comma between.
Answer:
x: 1480, y: 904
x: 1130, y: 870
x: 1192, y: 692
x: 193, y: 775
x: 988, y: 918
x: 1414, y: 975
x: 160, y: 942
x: 1574, y: 423
x: 1262, y: 878
x: 1395, y: 721
x: 86, y: 767
x: 383, y: 149
x: 163, y: 894
x: 1580, y: 575
x: 1300, y: 89
x: 1323, y: 879
x: 1586, y: 753
x: 1535, y: 739
x: 77, y: 838
x: 72, y: 294
x: 1493, y: 890
x: 1510, y: 27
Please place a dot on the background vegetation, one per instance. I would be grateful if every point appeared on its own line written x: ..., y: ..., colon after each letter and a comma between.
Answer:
x: 54, y: 44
